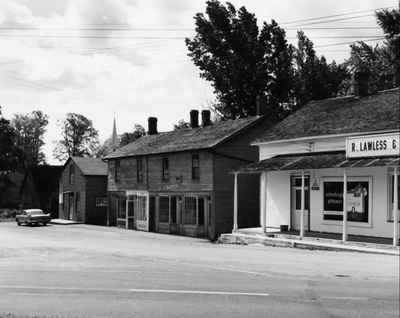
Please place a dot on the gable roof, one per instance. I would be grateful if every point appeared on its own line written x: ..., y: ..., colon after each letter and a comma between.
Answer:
x: 90, y: 166
x: 185, y: 139
x: 341, y: 115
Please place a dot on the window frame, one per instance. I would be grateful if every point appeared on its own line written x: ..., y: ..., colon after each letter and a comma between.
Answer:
x: 139, y: 170
x: 195, y: 168
x: 389, y: 217
x: 71, y: 174
x: 368, y: 179
x: 165, y: 169
x: 117, y: 168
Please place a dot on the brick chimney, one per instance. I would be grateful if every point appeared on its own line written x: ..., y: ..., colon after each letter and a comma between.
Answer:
x: 194, y: 118
x: 152, y: 125
x: 360, y: 83
x: 205, y: 118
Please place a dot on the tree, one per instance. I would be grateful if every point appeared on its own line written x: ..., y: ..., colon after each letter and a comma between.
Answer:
x: 389, y: 21
x: 240, y: 61
x: 9, y: 153
x: 30, y: 129
x: 181, y: 124
x: 128, y: 137
x: 79, y: 138
x: 314, y: 78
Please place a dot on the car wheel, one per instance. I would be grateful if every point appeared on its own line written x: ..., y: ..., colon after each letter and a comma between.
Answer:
x: 19, y: 223
x: 44, y: 223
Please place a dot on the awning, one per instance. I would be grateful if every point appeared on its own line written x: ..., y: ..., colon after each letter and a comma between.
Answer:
x: 317, y: 161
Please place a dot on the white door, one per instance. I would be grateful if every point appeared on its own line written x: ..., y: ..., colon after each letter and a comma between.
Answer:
x: 296, y: 203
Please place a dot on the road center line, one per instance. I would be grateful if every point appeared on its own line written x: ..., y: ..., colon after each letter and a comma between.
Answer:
x: 133, y: 290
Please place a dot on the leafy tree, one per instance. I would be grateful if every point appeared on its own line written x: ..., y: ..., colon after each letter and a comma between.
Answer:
x: 9, y: 153
x: 314, y: 77
x: 30, y: 129
x: 128, y: 137
x: 79, y: 138
x: 241, y: 61
x: 389, y: 21
x: 181, y: 124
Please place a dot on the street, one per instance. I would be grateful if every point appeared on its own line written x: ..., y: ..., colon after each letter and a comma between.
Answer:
x: 89, y: 271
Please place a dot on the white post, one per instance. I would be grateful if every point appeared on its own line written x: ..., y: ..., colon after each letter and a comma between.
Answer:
x: 235, y: 205
x: 302, y: 204
x: 263, y: 203
x: 395, y: 208
x: 344, y: 231
x: 126, y: 212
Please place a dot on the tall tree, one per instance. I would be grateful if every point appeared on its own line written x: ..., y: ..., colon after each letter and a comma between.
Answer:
x: 181, y: 124
x: 128, y: 137
x: 389, y: 21
x: 240, y: 61
x: 30, y: 129
x: 315, y: 78
x: 79, y: 138
x: 9, y: 153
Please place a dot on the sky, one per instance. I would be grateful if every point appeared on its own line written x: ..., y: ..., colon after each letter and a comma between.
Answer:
x: 60, y: 56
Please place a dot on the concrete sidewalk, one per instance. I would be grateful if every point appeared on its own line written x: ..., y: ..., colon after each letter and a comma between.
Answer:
x: 308, y: 243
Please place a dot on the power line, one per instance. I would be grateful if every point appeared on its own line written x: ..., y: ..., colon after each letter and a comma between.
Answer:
x: 349, y: 42
x: 335, y: 15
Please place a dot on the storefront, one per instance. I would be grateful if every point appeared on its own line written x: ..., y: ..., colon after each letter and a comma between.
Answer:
x: 332, y: 166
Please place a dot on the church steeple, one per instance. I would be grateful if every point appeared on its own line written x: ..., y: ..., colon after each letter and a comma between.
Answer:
x: 114, y: 137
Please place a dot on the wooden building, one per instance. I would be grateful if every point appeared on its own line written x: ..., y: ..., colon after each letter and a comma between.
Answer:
x: 178, y: 182
x: 83, y: 191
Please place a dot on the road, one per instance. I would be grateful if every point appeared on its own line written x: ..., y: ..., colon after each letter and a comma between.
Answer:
x: 89, y: 271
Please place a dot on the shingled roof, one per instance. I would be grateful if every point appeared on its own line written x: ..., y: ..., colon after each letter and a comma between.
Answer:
x: 91, y: 166
x: 342, y: 115
x: 184, y: 139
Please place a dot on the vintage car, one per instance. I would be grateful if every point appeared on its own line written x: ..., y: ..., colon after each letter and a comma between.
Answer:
x: 32, y: 217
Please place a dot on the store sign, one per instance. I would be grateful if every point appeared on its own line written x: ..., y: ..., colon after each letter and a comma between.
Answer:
x: 373, y: 146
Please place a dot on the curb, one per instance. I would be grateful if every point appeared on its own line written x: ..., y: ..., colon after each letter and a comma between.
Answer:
x: 243, y: 239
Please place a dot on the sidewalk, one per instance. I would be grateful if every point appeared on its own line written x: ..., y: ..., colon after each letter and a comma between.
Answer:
x: 256, y: 236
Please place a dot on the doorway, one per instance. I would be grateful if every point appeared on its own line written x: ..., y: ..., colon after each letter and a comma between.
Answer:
x: 295, y: 213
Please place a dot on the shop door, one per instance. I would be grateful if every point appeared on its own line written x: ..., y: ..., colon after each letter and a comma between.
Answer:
x: 152, y: 214
x: 71, y: 206
x: 295, y: 216
x: 173, y: 224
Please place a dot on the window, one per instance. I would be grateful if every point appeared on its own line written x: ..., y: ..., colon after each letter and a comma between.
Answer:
x: 117, y: 170
x: 190, y: 210
x: 358, y: 195
x: 71, y: 174
x: 139, y: 170
x: 164, y: 210
x: 195, y: 167
x: 391, y: 196
x: 121, y: 208
x: 165, y: 169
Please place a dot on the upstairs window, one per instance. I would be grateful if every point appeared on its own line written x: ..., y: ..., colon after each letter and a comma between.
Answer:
x: 71, y: 174
x: 139, y: 170
x: 195, y: 167
x: 117, y: 170
x: 165, y: 169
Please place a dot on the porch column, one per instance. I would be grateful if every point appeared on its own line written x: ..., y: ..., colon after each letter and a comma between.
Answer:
x: 263, y: 201
x: 235, y: 204
x: 303, y: 178
x: 395, y: 208
x: 126, y: 212
x: 344, y: 231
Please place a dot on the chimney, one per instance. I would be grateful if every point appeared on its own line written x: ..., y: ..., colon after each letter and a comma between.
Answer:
x: 194, y: 118
x: 152, y: 122
x: 205, y: 118
x: 360, y: 83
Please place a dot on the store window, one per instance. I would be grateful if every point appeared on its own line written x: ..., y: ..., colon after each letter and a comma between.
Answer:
x: 358, y: 197
x: 139, y: 170
x: 165, y: 169
x: 195, y: 167
x: 164, y: 209
x: 121, y: 211
x: 391, y: 196
x: 190, y: 210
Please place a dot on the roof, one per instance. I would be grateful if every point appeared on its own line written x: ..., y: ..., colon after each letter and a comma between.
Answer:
x: 317, y: 161
x: 185, y: 139
x: 91, y: 166
x: 341, y: 115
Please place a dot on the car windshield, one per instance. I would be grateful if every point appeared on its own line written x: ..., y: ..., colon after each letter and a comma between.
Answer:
x: 31, y: 212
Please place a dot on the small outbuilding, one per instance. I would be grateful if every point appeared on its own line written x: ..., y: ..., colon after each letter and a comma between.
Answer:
x: 83, y: 191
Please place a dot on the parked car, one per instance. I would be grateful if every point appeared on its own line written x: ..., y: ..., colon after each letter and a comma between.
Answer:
x: 32, y: 216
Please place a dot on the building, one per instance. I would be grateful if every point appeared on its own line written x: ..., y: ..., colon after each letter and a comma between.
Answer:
x: 337, y: 150
x: 83, y: 191
x: 179, y: 182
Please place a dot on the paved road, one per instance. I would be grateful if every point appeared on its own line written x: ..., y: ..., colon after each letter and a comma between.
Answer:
x: 88, y: 271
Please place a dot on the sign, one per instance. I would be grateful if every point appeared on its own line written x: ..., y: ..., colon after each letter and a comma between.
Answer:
x: 373, y: 146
